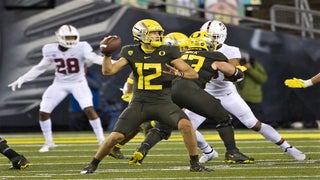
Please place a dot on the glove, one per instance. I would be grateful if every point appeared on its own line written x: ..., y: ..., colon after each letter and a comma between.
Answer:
x: 18, y: 83
x: 126, y: 97
x: 242, y: 68
x: 297, y: 83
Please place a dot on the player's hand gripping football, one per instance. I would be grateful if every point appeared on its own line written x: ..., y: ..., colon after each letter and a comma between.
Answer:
x: 110, y: 44
x: 295, y: 83
x: 18, y: 83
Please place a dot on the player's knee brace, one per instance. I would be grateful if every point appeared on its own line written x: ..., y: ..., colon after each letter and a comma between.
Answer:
x: 224, y: 124
x: 3, y: 145
x: 163, y: 134
x: 3, y: 141
x: 248, y: 119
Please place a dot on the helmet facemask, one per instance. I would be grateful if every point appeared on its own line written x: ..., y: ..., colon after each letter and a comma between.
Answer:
x: 216, y: 29
x: 68, y: 36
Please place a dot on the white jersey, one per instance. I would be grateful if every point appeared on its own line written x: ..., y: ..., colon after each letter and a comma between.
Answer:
x: 218, y: 86
x: 69, y: 74
x: 70, y: 63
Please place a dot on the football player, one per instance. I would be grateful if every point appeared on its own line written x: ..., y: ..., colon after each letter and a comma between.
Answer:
x: 232, y: 101
x: 152, y: 65
x: 172, y: 39
x: 69, y: 55
x: 18, y: 161
x: 190, y: 95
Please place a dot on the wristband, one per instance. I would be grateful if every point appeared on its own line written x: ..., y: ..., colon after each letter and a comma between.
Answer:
x: 129, y: 81
x: 181, y: 74
x: 308, y: 82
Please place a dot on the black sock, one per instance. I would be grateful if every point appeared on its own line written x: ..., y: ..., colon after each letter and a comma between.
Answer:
x: 95, y: 161
x: 194, y: 158
x: 226, y: 133
x: 153, y: 137
x: 6, y: 150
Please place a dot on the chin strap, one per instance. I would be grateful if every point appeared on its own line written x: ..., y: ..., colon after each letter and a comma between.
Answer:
x: 156, y: 44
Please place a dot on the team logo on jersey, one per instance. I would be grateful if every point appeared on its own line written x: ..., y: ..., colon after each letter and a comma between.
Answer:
x: 130, y: 53
x: 162, y: 53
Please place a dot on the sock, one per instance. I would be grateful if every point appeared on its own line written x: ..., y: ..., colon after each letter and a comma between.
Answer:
x: 226, y: 133
x: 95, y: 161
x: 269, y: 133
x: 284, y: 145
x: 6, y: 150
x: 272, y: 135
x: 152, y: 138
x: 97, y: 129
x: 47, y: 131
x: 194, y: 158
x: 203, y: 144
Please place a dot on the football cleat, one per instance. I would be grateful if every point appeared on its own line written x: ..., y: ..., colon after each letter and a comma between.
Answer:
x: 235, y: 156
x: 19, y: 162
x: 197, y: 167
x: 88, y: 169
x: 295, y: 153
x: 47, y: 147
x: 116, y: 153
x: 136, y: 159
x: 208, y: 156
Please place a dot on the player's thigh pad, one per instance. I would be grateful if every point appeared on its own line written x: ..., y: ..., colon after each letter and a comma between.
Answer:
x: 82, y: 94
x: 53, y: 95
x: 239, y: 108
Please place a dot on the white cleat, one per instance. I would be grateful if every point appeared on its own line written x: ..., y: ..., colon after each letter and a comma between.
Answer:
x: 47, y: 147
x: 295, y: 153
x: 208, y: 156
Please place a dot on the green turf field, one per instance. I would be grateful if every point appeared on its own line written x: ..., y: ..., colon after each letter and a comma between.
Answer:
x: 167, y: 160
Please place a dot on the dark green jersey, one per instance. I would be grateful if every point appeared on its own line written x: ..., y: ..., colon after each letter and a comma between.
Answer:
x: 152, y: 89
x: 201, y: 62
x: 149, y: 80
x: 190, y: 94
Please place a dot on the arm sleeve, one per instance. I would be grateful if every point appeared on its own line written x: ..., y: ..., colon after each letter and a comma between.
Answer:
x: 94, y: 58
x: 36, y: 70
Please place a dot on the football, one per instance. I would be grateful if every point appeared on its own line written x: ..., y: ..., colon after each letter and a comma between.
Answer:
x: 110, y: 44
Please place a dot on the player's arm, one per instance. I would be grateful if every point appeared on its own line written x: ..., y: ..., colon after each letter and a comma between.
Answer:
x: 182, y: 69
x: 234, y: 61
x: 234, y: 74
x: 92, y: 57
x: 315, y: 79
x: 33, y: 73
x: 300, y: 83
x: 109, y: 68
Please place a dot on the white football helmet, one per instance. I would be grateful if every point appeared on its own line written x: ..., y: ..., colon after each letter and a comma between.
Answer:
x: 64, y: 33
x: 141, y: 30
x: 216, y: 29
